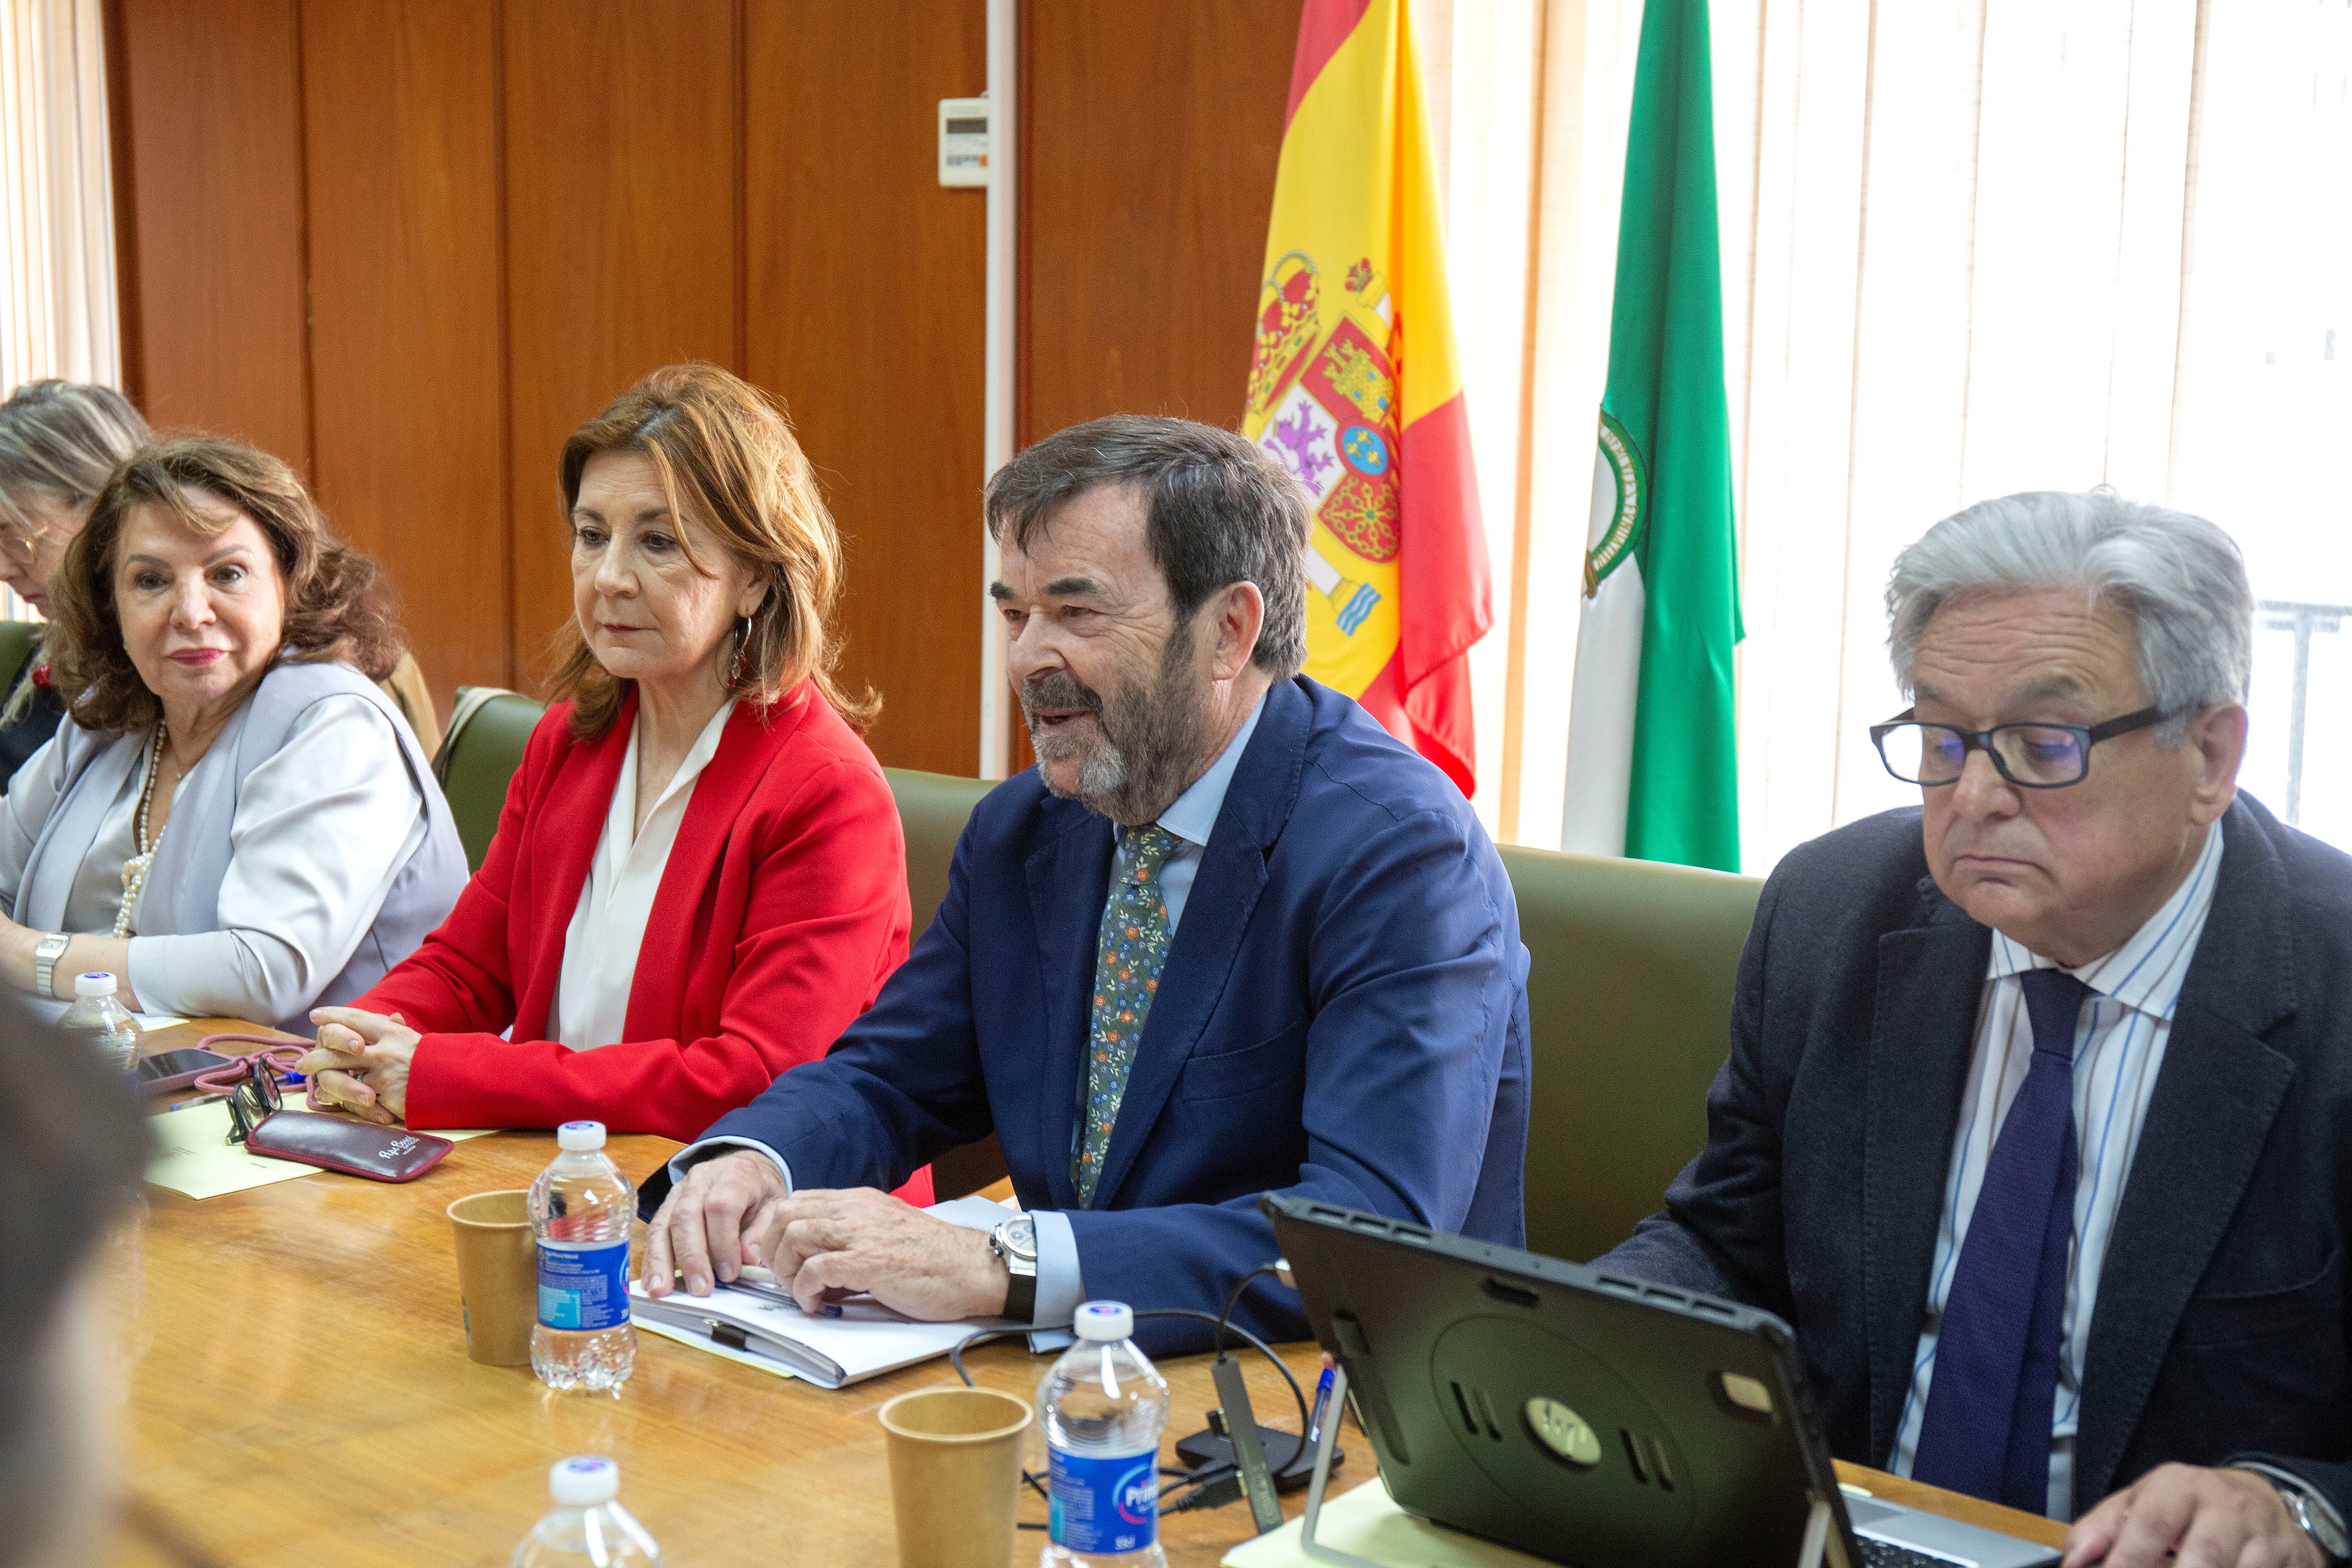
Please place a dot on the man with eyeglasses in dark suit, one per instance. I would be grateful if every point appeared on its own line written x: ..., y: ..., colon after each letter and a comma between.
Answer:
x: 2034, y: 1119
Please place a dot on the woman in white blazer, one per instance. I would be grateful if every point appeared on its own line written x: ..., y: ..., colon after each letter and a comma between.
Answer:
x: 233, y: 820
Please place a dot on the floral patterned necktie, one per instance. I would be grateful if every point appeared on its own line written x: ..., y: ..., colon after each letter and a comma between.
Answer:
x: 1128, y: 952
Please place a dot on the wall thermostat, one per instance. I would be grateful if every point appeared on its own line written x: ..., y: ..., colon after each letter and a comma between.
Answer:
x: 963, y: 140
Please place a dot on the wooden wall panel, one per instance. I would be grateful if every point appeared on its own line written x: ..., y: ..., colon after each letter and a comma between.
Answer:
x: 1148, y: 145
x: 409, y: 245
x: 865, y: 313
x: 400, y: 130
x: 210, y: 109
x: 623, y: 248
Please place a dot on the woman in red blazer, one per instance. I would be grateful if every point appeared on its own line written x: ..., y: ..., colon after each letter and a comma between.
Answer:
x: 698, y: 877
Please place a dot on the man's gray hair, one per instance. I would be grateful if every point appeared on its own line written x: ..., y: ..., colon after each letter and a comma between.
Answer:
x: 2179, y: 578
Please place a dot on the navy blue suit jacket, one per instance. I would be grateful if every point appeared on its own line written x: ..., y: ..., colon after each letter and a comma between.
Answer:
x: 2224, y: 1326
x: 1342, y: 1015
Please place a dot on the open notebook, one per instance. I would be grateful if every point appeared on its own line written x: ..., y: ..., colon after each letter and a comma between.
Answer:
x: 761, y: 1320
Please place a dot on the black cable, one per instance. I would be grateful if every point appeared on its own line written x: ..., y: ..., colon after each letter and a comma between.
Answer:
x: 1296, y: 1394
x: 1209, y: 1475
x: 1215, y: 1471
x: 981, y: 1336
x: 1233, y: 1300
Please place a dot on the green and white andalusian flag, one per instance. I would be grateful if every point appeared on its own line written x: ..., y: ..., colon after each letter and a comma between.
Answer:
x: 1653, y: 769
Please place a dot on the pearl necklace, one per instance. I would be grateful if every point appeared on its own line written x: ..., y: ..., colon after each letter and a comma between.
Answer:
x: 134, y: 871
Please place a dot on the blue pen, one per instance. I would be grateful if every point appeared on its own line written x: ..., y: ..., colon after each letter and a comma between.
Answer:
x: 1322, y: 1408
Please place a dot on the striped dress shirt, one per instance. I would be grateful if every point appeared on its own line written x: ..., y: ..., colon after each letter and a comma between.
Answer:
x: 2119, y: 1044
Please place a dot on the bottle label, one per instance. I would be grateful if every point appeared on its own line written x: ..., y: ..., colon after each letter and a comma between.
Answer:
x: 584, y: 1285
x: 1105, y: 1505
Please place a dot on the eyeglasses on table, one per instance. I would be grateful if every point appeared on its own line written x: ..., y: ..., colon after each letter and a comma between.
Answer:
x: 251, y: 1083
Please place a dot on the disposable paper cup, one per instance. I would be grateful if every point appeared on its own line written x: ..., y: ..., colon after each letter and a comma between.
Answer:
x: 498, y: 1276
x: 955, y: 1475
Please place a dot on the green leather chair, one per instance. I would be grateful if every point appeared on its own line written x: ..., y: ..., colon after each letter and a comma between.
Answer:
x: 1629, y: 1002
x: 16, y: 642
x: 487, y: 730
x: 1629, y: 987
x: 933, y: 808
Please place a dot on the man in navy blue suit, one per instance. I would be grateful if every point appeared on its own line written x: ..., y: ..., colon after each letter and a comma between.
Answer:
x: 1228, y: 937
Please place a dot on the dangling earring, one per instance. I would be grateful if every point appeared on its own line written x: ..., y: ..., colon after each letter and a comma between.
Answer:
x: 742, y: 647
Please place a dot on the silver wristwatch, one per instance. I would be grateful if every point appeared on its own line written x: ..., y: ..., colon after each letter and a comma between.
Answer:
x: 2311, y: 1509
x: 45, y: 953
x: 1016, y: 1241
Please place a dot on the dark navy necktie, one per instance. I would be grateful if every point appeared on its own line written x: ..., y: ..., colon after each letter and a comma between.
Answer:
x: 1987, y: 1429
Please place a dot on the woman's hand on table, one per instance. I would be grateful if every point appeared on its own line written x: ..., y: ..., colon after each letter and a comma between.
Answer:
x: 360, y: 1063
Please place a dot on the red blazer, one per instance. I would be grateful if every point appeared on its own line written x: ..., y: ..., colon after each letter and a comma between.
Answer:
x: 782, y: 910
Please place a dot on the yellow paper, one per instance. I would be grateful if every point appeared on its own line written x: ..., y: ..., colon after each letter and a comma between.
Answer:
x: 193, y: 1155
x: 1366, y: 1521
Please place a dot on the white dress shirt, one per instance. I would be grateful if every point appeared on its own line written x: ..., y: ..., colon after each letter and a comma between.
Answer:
x: 2119, y: 1044
x: 322, y: 828
x: 608, y: 924
x: 1192, y: 818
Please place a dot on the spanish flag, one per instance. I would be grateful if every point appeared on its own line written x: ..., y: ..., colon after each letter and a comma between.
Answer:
x: 1356, y: 387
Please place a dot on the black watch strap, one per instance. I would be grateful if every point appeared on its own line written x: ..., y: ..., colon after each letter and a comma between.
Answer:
x: 1021, y: 1298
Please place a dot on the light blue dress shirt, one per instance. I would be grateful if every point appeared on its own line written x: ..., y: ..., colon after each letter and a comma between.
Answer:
x: 1192, y: 818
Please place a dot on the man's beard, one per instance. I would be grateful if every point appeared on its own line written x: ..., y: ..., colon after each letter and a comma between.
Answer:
x: 1148, y: 736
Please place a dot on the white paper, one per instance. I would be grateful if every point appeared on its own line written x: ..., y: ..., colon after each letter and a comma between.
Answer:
x: 1366, y: 1521
x: 866, y: 1340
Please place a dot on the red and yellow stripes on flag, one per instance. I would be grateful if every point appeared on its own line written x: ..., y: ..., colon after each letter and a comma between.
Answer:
x: 1355, y: 385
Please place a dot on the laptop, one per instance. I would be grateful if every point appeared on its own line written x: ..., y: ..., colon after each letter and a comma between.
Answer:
x: 1589, y: 1419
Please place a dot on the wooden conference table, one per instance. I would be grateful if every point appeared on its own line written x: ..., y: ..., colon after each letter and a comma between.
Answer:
x: 299, y: 1395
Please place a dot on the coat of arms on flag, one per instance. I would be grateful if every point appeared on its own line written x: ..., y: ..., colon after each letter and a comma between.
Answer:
x: 1331, y: 405
x: 1376, y: 436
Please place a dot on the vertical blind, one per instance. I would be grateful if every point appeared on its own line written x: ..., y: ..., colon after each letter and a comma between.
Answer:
x: 58, y: 304
x: 1970, y: 247
x: 56, y: 259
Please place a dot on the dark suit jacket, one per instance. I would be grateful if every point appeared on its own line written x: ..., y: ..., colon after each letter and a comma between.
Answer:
x: 1342, y: 1015
x: 33, y: 727
x: 2220, y: 1324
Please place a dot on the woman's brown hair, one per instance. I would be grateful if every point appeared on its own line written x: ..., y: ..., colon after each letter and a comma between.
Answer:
x: 726, y: 458
x: 338, y: 605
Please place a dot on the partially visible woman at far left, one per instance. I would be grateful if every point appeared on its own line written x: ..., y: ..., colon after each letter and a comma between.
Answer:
x: 59, y: 443
x: 232, y: 820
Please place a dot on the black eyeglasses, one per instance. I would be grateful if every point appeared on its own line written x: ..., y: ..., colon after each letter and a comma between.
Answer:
x: 2030, y: 756
x: 251, y: 1085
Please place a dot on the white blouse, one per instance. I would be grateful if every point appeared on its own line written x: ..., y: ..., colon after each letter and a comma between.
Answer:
x: 322, y: 828
x: 608, y: 926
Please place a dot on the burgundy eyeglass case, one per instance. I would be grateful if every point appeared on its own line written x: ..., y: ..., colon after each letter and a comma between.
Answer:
x: 355, y: 1148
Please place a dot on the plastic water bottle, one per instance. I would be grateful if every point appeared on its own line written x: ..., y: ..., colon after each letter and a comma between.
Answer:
x: 581, y: 1206
x: 1103, y: 1406
x: 98, y: 1017
x: 587, y: 1524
